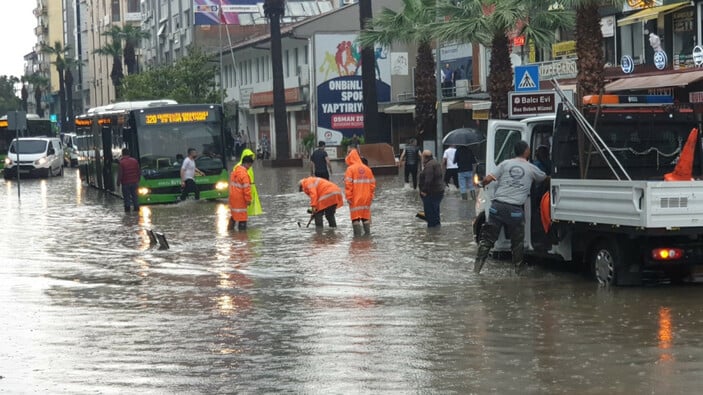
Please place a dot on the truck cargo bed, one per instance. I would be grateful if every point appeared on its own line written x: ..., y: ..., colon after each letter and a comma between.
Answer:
x: 643, y: 204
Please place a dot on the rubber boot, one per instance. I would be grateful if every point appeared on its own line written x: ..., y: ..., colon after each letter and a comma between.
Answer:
x: 358, y: 228
x: 473, y: 195
x: 367, y: 227
x: 230, y: 224
x: 242, y: 225
x: 478, y: 264
x: 464, y: 196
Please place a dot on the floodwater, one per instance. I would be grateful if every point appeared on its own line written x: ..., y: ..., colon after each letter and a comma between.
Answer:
x: 87, y: 306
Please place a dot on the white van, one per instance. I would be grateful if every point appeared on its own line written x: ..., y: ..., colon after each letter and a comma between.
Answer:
x: 38, y: 156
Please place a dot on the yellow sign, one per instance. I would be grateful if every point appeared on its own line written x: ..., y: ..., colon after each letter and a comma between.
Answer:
x: 3, y: 123
x: 83, y: 122
x: 564, y: 48
x: 176, y: 117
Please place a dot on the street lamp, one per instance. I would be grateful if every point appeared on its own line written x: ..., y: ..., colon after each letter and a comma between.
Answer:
x: 274, y: 10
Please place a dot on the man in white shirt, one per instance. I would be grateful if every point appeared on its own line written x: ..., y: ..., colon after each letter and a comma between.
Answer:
x: 451, y: 169
x: 188, y: 172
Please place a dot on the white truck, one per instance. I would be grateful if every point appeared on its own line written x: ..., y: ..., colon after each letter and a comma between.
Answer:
x: 609, y: 206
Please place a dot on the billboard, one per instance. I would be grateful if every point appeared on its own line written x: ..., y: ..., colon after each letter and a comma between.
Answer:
x: 215, y: 12
x: 340, y: 106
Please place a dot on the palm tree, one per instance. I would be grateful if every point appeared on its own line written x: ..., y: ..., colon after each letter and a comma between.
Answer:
x: 131, y: 36
x: 38, y: 83
x: 489, y: 23
x: 411, y: 25
x: 114, y: 49
x: 24, y: 93
x: 59, y: 51
x: 71, y: 64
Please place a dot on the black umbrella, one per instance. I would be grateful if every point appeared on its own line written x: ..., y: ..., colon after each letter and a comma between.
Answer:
x: 463, y: 136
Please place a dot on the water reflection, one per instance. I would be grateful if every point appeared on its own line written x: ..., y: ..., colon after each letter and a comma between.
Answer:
x: 665, y: 334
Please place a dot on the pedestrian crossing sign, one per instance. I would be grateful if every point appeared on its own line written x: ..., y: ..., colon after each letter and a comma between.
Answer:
x: 526, y: 78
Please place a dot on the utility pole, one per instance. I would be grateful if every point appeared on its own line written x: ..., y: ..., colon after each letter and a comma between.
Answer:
x: 372, y: 132
x: 274, y: 10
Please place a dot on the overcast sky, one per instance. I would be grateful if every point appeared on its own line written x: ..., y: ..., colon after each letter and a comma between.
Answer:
x: 17, y: 23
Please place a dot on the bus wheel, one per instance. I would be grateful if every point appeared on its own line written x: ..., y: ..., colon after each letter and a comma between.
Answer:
x: 606, y: 259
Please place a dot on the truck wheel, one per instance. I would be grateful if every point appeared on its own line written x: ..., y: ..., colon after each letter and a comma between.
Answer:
x: 606, y: 259
x: 61, y: 172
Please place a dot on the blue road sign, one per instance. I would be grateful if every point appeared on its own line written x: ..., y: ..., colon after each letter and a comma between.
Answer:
x: 527, y: 78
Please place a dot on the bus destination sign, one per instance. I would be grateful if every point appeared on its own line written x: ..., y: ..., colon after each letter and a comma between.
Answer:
x: 175, y: 117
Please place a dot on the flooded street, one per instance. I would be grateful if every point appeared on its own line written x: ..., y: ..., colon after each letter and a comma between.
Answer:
x: 89, y: 307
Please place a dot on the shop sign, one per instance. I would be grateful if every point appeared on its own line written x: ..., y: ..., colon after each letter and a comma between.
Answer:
x: 564, y: 48
x: 558, y: 69
x: 695, y: 97
x: 697, y: 55
x: 627, y: 64
x: 529, y: 104
x: 660, y: 60
x: 607, y: 26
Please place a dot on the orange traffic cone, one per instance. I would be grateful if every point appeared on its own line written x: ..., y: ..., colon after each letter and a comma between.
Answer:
x: 684, y: 168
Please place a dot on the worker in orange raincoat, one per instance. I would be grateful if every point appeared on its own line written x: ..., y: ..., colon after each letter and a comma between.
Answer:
x: 359, y: 188
x: 240, y: 193
x: 325, y: 198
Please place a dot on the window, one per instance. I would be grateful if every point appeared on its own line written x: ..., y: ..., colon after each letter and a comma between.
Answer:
x: 296, y: 60
x: 306, y: 55
x: 115, y: 10
x: 287, y: 58
x: 632, y: 42
x: 505, y: 143
x: 133, y: 6
x: 258, y: 70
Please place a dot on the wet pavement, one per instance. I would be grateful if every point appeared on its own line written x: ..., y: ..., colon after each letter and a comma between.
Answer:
x: 88, y: 306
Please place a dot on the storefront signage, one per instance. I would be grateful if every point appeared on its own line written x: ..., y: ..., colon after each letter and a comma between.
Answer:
x: 564, y: 48
x: 260, y: 99
x: 698, y: 55
x: 627, y: 64
x: 695, y: 97
x: 607, y: 26
x: 529, y: 104
x: 660, y: 60
x: 558, y: 69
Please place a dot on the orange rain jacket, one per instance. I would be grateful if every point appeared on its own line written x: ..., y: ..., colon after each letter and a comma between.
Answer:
x: 239, y: 193
x: 323, y: 193
x: 359, y: 187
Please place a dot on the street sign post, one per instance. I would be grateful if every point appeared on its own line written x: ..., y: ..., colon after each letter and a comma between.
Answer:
x: 527, y: 78
x: 530, y: 104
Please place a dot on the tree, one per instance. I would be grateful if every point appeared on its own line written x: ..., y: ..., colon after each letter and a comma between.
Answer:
x: 38, y: 83
x: 131, y: 36
x: 409, y: 26
x: 24, y: 95
x: 8, y: 98
x: 490, y: 23
x: 191, y: 79
x: 113, y: 49
x: 59, y: 51
x: 71, y: 64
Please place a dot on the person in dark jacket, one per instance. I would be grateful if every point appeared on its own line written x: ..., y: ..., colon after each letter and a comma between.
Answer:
x: 431, y: 188
x: 410, y: 159
x: 128, y: 175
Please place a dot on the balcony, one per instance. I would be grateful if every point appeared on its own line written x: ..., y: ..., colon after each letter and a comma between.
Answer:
x: 41, y: 30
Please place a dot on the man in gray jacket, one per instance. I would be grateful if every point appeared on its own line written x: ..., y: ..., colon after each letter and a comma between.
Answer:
x: 431, y: 188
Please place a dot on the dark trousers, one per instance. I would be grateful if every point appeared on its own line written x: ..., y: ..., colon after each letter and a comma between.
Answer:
x: 431, y: 205
x: 449, y: 174
x: 324, y: 175
x: 190, y: 187
x: 512, y: 219
x: 329, y: 214
x: 129, y: 194
x: 411, y: 170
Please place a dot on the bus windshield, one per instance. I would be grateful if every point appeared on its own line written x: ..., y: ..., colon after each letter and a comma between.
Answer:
x: 29, y: 147
x: 162, y: 148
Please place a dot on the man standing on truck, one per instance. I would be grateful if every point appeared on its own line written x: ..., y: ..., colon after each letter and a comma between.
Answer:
x: 515, y: 177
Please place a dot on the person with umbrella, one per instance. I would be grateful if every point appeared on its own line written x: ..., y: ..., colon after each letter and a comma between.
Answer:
x: 465, y: 161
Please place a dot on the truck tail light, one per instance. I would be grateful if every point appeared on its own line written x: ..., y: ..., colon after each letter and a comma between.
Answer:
x: 667, y: 254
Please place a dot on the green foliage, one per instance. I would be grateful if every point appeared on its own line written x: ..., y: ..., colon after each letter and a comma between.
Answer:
x: 309, y: 141
x: 8, y: 99
x: 347, y: 141
x: 191, y: 79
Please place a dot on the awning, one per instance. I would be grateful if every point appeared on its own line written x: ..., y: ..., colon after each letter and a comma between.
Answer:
x: 650, y: 13
x: 452, y: 105
x: 257, y: 110
x: 400, y: 109
x: 295, y: 107
x: 654, y: 81
x: 477, y: 105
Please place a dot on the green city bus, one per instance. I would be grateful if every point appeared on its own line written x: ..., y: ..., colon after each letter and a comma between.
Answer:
x: 158, y: 133
x: 35, y: 127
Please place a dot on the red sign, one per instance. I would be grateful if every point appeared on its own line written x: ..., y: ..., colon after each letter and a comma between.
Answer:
x: 348, y: 121
x: 519, y: 41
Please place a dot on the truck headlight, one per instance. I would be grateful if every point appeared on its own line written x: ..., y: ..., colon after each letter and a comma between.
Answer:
x: 8, y: 162
x: 40, y: 161
x: 143, y: 191
x: 221, y: 185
